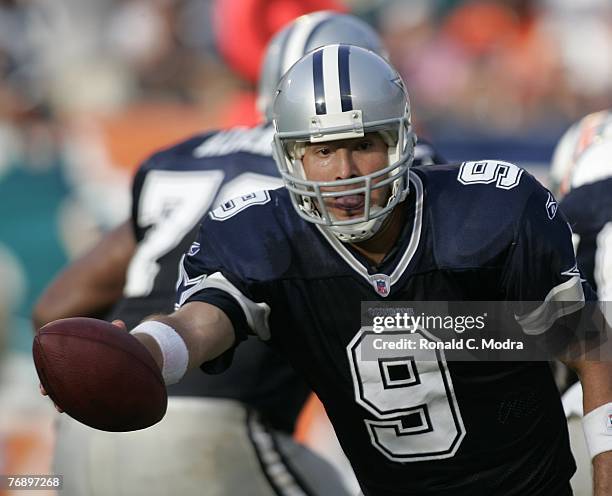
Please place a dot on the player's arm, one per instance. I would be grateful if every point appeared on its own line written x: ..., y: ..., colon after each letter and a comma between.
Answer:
x: 204, y: 329
x: 214, y: 312
x: 596, y: 380
x: 91, y: 284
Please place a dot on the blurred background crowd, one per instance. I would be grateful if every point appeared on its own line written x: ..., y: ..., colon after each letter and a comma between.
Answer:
x: 89, y: 88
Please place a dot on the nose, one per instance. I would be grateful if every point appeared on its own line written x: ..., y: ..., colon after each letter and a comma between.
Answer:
x: 346, y: 168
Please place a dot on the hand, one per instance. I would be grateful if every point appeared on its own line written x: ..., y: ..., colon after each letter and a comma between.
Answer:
x: 44, y: 393
x: 120, y: 324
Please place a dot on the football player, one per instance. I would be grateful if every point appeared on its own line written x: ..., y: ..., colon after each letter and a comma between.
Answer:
x: 580, y: 175
x: 581, y: 178
x: 353, y: 224
x: 248, y: 413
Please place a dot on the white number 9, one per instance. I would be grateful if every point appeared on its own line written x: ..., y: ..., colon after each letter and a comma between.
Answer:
x: 413, y: 401
x: 504, y: 174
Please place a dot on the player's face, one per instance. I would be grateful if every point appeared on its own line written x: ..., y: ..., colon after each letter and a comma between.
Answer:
x: 347, y: 159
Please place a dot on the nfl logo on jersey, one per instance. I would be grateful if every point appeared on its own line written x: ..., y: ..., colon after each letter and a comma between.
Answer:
x: 609, y: 422
x: 382, y: 284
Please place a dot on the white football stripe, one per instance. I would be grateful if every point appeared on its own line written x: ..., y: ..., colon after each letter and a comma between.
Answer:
x: 331, y: 80
x: 296, y: 44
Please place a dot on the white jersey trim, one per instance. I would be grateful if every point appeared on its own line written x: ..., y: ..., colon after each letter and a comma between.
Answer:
x: 411, y: 249
x: 564, y: 299
x: 192, y: 285
x: 257, y: 314
x: 255, y: 140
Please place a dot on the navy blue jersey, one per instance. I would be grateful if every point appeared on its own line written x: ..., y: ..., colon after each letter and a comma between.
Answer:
x: 172, y: 190
x: 589, y: 211
x: 176, y: 187
x: 480, y: 231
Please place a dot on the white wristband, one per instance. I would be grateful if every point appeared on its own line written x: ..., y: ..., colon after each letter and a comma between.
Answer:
x: 597, y: 426
x: 175, y: 355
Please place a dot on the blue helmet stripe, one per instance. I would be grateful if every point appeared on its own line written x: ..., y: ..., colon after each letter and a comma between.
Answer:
x: 344, y: 77
x: 319, y: 89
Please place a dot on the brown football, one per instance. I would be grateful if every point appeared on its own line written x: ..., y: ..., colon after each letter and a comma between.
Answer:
x: 99, y: 374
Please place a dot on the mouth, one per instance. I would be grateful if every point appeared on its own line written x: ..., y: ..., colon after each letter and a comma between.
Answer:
x: 349, y: 203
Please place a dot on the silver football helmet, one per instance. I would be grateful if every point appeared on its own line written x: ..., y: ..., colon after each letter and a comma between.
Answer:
x: 583, y: 154
x: 340, y: 92
x: 306, y: 33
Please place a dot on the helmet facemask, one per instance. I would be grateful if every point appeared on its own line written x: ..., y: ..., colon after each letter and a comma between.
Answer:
x: 309, y: 197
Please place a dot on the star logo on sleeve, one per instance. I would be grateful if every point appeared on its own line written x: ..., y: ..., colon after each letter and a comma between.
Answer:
x: 551, y: 206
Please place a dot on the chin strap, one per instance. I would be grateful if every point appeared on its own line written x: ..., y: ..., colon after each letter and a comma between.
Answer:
x: 361, y: 231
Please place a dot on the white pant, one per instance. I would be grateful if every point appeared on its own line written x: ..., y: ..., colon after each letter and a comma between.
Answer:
x: 203, y: 446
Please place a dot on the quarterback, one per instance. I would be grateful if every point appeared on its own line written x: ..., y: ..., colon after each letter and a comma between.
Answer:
x: 251, y: 409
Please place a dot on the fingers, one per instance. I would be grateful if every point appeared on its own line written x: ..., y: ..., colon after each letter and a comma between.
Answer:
x: 44, y: 393
x: 120, y: 324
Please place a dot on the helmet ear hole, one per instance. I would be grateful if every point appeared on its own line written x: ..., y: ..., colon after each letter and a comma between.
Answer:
x: 296, y: 150
x: 389, y: 137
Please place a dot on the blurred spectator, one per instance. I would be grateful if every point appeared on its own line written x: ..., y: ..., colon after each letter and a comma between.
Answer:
x: 501, y: 66
x: 583, y: 32
x: 513, y: 65
x: 434, y: 68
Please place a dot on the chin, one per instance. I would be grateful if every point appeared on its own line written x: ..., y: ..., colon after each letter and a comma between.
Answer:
x: 346, y: 215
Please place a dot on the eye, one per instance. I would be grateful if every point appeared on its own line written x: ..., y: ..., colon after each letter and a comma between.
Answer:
x: 364, y: 145
x: 324, y: 151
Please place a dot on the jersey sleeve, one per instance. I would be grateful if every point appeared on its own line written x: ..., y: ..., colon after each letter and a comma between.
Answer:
x: 541, y: 277
x: 137, y: 186
x: 208, y: 273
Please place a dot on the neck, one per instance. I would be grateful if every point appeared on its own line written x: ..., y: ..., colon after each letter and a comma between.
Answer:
x: 376, y: 248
